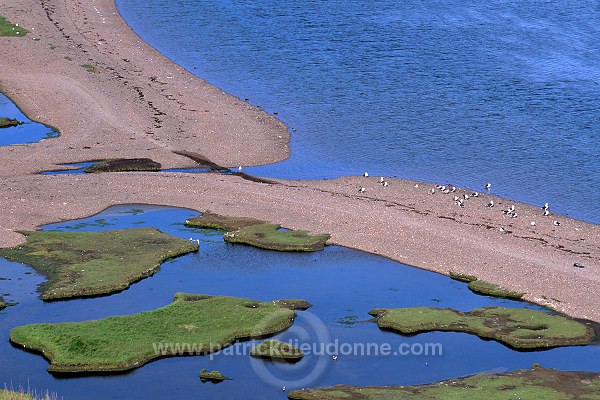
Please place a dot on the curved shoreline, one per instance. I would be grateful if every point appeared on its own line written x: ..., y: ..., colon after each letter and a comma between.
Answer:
x: 137, y: 102
x: 140, y: 104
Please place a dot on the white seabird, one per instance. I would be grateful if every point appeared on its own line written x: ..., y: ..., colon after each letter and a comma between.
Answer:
x: 545, y: 207
x: 490, y: 204
x: 366, y: 174
x: 488, y: 186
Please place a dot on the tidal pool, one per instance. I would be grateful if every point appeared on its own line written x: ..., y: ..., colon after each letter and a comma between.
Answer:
x: 343, y: 284
x: 28, y: 132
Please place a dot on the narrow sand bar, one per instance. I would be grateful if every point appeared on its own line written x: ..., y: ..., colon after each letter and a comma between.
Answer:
x: 140, y: 104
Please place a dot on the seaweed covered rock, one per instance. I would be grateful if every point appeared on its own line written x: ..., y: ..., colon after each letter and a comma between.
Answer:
x: 9, y: 122
x: 124, y: 165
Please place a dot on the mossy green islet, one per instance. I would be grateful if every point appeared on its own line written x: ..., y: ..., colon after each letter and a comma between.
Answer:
x: 516, y: 327
x: 79, y: 264
x: 260, y: 234
x: 276, y: 349
x: 485, y: 288
x: 535, y: 384
x: 491, y: 289
x: 210, y: 220
x: 213, y: 376
x: 191, y: 325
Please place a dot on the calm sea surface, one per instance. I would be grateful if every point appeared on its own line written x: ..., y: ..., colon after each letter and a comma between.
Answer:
x: 464, y: 92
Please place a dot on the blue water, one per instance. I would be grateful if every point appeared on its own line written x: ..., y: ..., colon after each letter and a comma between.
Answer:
x: 343, y: 284
x: 464, y: 91
x: 79, y: 170
x: 29, y: 132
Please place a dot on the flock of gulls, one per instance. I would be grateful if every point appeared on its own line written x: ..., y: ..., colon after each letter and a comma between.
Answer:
x: 460, y: 201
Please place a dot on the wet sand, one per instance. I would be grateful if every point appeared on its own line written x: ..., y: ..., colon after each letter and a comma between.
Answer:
x: 140, y: 104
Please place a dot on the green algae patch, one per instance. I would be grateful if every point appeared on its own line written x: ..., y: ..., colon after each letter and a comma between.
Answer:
x: 491, y: 289
x: 212, y: 376
x: 79, y: 264
x: 9, y: 122
x: 269, y: 237
x: 124, y: 165
x: 485, y: 288
x: 276, y: 349
x: 89, y: 68
x: 259, y: 234
x: 462, y: 277
x: 8, y: 29
x: 209, y: 220
x: 535, y: 384
x: 519, y: 328
x: 3, y: 305
x: 191, y: 325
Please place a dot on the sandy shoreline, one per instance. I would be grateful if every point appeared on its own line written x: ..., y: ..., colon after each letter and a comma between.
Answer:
x: 140, y: 104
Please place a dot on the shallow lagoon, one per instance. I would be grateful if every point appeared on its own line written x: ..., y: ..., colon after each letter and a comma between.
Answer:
x: 29, y: 132
x: 342, y: 283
